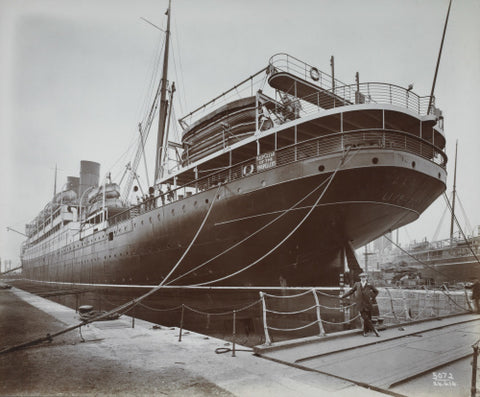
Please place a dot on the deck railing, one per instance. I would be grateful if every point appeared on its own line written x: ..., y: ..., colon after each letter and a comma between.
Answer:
x: 348, y: 94
x: 316, y: 147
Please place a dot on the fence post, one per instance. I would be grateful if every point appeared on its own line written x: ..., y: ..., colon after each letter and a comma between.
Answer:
x: 468, y: 301
x: 391, y: 304
x: 234, y: 333
x: 474, y: 370
x: 265, y: 327
x: 319, y: 319
x: 133, y: 317
x: 405, y: 306
x: 181, y: 324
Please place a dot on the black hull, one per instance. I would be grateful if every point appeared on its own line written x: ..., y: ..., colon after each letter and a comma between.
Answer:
x: 362, y: 202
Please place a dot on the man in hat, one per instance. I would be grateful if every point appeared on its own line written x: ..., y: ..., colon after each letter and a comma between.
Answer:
x: 365, y: 294
x: 475, y: 287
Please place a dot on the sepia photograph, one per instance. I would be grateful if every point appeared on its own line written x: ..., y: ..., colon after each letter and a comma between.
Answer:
x: 239, y: 198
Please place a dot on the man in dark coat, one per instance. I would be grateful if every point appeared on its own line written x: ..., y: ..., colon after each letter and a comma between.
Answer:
x: 364, y: 297
x: 475, y: 287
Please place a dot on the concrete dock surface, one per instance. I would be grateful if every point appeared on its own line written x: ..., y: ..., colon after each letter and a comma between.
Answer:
x: 112, y: 358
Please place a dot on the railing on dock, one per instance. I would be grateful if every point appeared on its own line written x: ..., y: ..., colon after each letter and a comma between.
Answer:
x: 395, y: 306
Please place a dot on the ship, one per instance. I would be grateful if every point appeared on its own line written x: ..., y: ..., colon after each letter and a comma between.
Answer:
x: 277, y: 181
x: 450, y: 261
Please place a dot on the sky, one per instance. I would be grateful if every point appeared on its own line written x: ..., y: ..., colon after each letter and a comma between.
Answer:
x: 75, y: 78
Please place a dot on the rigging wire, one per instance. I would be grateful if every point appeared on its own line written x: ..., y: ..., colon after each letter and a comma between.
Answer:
x: 460, y: 229
x: 468, y: 226
x: 250, y: 235
x: 414, y: 257
x: 437, y: 231
x: 183, y: 96
x: 261, y: 228
x: 330, y: 179
x: 122, y: 308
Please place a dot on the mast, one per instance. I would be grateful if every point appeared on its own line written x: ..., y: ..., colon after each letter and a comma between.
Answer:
x: 454, y: 193
x: 163, y: 103
x: 439, y: 56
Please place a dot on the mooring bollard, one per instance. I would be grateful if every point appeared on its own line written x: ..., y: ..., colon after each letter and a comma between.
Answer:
x: 181, y: 324
x: 234, y: 333
x: 474, y: 370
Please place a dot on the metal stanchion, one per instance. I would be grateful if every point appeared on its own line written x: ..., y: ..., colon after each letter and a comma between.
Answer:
x: 234, y: 333
x: 181, y: 324
x: 133, y: 317
x: 474, y: 370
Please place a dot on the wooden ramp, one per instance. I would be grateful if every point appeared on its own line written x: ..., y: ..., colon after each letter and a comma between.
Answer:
x: 401, y: 353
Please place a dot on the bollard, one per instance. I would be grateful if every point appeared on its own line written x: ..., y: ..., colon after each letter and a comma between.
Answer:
x: 474, y: 371
x: 234, y: 333
x: 181, y: 324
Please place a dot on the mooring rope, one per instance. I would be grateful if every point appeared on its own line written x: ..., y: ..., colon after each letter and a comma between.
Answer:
x: 330, y: 179
x: 122, y: 308
x: 249, y: 236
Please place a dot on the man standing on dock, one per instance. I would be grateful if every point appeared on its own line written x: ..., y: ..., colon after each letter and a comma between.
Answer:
x: 365, y: 295
x: 475, y: 287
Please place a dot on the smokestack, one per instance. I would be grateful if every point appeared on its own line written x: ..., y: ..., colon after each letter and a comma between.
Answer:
x: 89, y: 175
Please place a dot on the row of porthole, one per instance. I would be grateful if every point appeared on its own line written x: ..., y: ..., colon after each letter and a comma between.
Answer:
x: 173, y: 211
x: 321, y: 168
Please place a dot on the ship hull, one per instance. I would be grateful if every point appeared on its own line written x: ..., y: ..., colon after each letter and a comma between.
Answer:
x: 314, y: 215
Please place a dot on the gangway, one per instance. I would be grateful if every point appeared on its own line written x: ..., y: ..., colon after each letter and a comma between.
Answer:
x: 387, y: 364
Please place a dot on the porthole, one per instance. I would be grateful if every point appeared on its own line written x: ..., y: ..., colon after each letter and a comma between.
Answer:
x: 439, y: 176
x: 413, y: 164
x: 239, y: 190
x: 375, y: 160
x: 264, y: 183
x: 206, y: 201
x: 321, y: 168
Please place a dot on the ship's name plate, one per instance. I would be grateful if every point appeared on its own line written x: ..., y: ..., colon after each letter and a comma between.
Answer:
x: 266, y: 161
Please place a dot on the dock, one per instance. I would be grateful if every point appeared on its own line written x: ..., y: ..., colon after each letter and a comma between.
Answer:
x: 127, y: 357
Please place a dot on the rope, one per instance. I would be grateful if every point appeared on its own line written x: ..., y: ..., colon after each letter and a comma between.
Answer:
x: 222, y: 313
x: 329, y: 295
x: 413, y: 257
x: 330, y: 179
x: 295, y: 312
x: 122, y: 308
x: 343, y: 322
x: 293, y: 329
x: 247, y: 237
x: 160, y: 310
x: 288, y: 296
x: 460, y: 228
x: 455, y: 303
